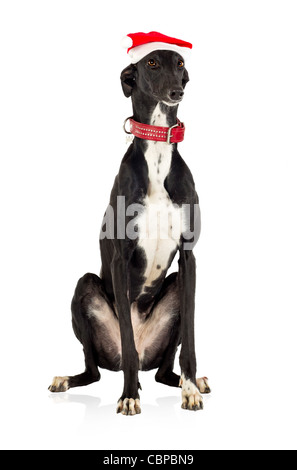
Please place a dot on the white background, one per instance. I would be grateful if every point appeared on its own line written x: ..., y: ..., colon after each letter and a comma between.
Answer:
x: 61, y: 112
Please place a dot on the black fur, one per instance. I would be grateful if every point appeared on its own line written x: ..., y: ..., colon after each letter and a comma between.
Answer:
x: 123, y: 261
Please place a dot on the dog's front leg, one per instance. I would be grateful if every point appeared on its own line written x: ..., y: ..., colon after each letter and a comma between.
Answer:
x: 191, y: 398
x: 129, y: 403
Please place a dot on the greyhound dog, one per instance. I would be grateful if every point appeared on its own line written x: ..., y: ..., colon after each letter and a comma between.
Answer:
x: 134, y: 316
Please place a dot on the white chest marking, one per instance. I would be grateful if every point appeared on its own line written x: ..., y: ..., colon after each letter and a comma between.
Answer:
x: 161, y: 223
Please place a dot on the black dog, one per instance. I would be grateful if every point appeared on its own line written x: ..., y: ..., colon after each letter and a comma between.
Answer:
x: 133, y: 317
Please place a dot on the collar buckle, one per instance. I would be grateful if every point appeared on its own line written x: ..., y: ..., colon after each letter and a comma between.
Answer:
x: 169, y: 135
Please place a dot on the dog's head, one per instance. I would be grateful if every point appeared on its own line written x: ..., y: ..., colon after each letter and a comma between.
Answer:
x: 161, y: 75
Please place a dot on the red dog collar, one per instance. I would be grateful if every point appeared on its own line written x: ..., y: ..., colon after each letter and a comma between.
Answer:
x: 171, y: 135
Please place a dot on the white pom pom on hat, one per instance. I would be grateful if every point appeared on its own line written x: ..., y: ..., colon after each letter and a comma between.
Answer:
x: 139, y: 45
x: 127, y: 42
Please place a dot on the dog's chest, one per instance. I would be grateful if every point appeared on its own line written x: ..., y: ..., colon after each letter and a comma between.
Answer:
x: 161, y: 223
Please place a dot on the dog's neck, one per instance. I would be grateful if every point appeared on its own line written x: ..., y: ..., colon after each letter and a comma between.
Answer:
x: 158, y: 155
x: 144, y: 111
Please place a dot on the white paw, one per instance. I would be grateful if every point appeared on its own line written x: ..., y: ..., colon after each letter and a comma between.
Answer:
x: 129, y: 407
x: 202, y: 384
x: 59, y: 384
x: 191, y: 398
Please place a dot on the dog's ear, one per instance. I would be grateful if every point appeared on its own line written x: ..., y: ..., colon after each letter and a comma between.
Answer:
x: 128, y: 77
x: 186, y: 78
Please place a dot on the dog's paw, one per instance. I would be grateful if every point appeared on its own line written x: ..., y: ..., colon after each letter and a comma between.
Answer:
x: 59, y: 384
x: 191, y: 398
x: 203, y: 386
x: 129, y: 407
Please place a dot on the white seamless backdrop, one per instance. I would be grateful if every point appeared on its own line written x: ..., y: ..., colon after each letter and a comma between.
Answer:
x: 61, y: 143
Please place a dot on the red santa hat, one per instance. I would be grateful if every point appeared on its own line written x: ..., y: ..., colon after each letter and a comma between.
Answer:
x: 141, y: 44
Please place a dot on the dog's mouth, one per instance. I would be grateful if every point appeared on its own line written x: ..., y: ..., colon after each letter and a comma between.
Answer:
x: 170, y: 102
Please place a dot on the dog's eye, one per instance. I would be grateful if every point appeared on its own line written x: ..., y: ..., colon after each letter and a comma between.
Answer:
x: 180, y: 64
x: 152, y: 63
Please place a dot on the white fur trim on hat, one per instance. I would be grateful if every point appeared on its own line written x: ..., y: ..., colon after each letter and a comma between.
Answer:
x: 139, y: 52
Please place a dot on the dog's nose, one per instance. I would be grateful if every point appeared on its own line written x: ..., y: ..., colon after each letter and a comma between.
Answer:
x: 176, y: 94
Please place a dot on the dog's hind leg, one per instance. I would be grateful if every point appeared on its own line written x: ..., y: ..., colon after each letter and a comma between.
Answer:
x: 91, y: 374
x: 165, y: 374
x: 89, y: 287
